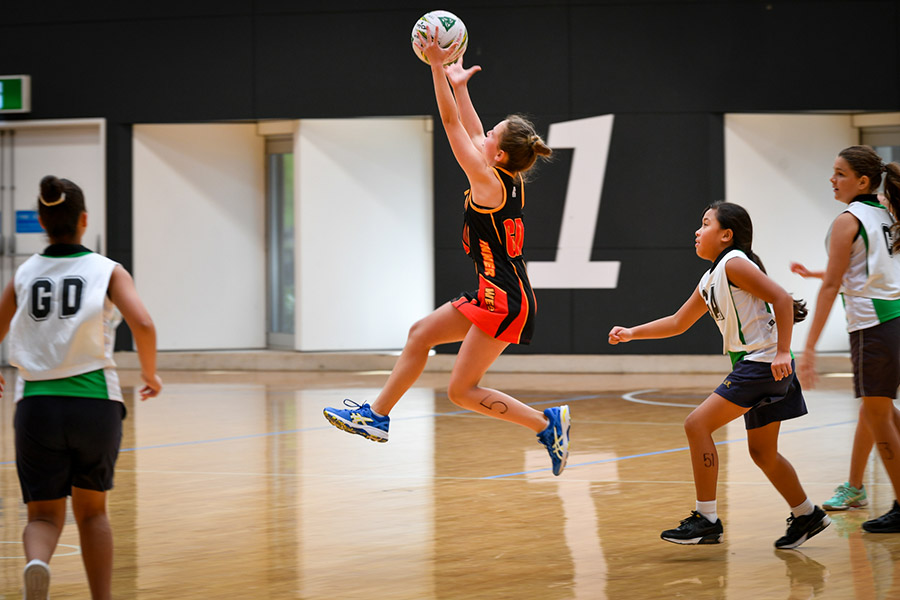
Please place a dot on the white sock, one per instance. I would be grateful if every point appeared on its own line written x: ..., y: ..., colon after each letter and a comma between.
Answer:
x: 708, y: 510
x: 803, y: 509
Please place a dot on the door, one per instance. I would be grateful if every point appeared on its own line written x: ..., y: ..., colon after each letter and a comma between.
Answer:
x: 29, y: 150
x: 280, y: 242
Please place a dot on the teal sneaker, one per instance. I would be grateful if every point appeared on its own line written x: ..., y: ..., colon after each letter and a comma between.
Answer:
x: 846, y: 496
x: 359, y: 419
x: 556, y: 436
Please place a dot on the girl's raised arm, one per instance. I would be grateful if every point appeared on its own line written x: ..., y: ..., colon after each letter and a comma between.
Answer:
x: 467, y: 154
x: 458, y: 76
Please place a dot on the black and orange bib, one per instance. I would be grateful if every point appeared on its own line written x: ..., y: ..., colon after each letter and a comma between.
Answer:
x: 504, y: 305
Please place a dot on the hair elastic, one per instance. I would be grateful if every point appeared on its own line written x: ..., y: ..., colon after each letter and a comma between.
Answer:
x: 62, y: 199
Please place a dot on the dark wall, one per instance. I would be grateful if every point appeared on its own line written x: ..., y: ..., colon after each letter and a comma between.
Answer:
x: 667, y: 69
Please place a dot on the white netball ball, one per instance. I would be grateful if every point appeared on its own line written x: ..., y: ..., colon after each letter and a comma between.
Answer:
x: 449, y: 28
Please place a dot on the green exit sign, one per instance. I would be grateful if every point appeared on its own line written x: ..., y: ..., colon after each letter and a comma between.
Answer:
x: 15, y: 93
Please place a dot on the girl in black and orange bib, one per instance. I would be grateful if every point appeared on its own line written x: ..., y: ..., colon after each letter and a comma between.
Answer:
x: 504, y: 305
x: 502, y: 310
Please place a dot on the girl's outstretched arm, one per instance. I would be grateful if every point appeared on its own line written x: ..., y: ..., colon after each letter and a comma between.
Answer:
x: 689, y: 313
x: 469, y: 156
x: 458, y: 76
x: 802, y: 271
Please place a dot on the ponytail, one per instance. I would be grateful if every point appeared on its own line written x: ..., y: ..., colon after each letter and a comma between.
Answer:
x: 522, y: 144
x: 892, y: 193
x: 800, y: 310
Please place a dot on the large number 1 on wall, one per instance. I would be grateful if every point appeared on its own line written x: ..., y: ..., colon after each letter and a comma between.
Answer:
x: 572, y: 268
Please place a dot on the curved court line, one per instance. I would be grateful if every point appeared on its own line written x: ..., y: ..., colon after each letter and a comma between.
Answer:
x: 631, y: 397
x: 75, y: 550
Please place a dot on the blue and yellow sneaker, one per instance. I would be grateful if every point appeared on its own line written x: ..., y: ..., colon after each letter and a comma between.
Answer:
x: 556, y: 436
x: 359, y: 419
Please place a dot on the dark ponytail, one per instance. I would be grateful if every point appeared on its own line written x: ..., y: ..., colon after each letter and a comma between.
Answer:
x: 892, y: 193
x: 60, y: 205
x: 737, y: 219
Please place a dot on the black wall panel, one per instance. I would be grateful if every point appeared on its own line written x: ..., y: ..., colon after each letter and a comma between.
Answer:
x: 667, y: 69
x: 734, y: 56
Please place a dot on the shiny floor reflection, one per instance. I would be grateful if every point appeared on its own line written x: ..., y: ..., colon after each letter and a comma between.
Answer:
x: 232, y: 485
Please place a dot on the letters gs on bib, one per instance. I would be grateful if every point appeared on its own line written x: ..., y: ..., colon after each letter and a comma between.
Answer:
x: 68, y: 298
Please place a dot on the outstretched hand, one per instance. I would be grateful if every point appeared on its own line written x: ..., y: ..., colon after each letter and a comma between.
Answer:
x: 459, y: 75
x: 802, y: 271
x: 427, y: 42
x: 619, y: 334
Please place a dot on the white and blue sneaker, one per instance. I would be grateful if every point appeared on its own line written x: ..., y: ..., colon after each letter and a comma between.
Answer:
x: 359, y: 419
x: 556, y: 436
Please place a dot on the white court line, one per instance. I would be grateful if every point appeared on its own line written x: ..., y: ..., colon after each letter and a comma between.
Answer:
x: 631, y: 397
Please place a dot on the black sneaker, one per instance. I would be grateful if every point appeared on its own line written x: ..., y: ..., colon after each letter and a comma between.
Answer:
x: 696, y: 529
x: 886, y: 523
x: 802, y: 528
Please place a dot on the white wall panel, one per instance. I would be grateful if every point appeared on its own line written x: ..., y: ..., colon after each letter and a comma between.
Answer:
x: 365, y: 244
x: 777, y: 167
x: 199, y: 233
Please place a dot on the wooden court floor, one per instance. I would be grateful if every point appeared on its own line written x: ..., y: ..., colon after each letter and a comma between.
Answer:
x: 232, y: 485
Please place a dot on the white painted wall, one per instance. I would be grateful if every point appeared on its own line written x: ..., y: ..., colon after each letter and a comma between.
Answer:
x: 365, y: 221
x: 199, y: 234
x: 777, y: 167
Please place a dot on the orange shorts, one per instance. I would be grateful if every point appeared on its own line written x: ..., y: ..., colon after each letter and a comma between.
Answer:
x: 507, y: 315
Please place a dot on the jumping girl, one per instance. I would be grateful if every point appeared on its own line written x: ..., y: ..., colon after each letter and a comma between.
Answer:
x: 502, y: 311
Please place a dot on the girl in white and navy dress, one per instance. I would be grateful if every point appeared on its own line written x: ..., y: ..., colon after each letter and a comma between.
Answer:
x: 60, y: 312
x: 864, y: 267
x: 755, y: 316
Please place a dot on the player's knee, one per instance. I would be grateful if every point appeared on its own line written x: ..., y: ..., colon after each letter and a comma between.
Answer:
x: 458, y: 393
x: 763, y: 458
x: 693, y: 426
x: 417, y: 337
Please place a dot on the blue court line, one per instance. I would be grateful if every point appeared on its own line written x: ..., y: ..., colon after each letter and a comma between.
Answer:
x: 250, y: 436
x: 452, y: 413
x: 658, y: 452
